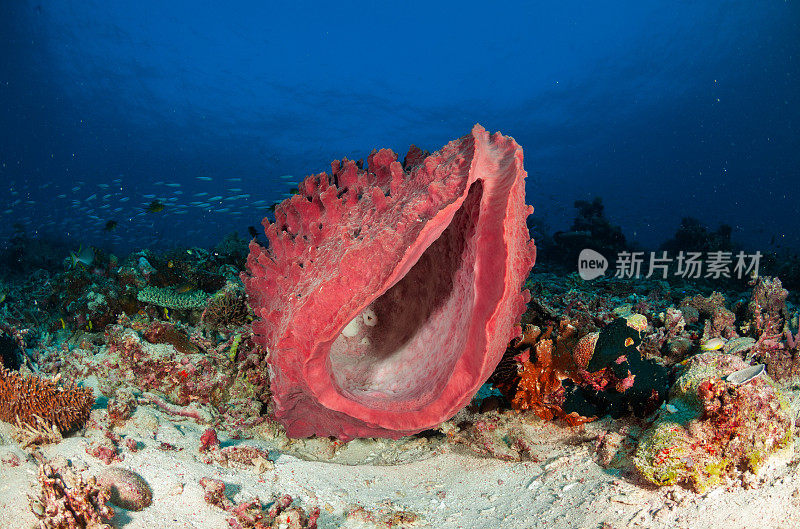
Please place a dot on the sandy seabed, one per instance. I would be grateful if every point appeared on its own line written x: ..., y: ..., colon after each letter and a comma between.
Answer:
x: 429, y: 483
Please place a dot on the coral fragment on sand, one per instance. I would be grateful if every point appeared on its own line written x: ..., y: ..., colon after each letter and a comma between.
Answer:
x: 66, y: 501
x: 280, y: 514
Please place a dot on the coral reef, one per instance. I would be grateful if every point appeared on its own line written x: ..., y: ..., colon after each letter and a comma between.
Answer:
x: 773, y: 330
x: 176, y: 366
x: 713, y: 429
x: 582, y: 379
x: 126, y: 488
x: 350, y: 354
x: 66, y: 501
x: 66, y: 407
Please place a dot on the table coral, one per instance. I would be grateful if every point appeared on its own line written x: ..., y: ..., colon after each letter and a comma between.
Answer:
x: 172, y: 298
x: 714, y: 429
x: 387, y: 296
x: 67, y: 407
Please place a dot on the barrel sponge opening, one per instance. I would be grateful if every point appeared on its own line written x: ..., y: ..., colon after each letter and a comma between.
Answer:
x: 386, y: 297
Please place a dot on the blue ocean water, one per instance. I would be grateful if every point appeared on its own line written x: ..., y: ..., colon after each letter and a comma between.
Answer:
x: 664, y: 109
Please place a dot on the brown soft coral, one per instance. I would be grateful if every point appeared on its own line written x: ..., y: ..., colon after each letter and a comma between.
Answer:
x: 226, y: 309
x: 66, y: 407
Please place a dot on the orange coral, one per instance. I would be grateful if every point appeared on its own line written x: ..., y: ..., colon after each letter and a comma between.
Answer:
x: 538, y: 380
x: 539, y: 386
x: 65, y: 407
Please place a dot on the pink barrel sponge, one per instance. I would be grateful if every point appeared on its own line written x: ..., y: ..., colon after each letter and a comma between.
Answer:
x: 388, y: 296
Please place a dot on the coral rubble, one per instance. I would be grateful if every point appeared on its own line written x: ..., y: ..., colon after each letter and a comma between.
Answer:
x: 66, y: 501
x: 280, y: 514
x: 387, y: 297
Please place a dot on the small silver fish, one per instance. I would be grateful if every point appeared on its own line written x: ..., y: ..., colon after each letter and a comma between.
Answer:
x: 743, y: 376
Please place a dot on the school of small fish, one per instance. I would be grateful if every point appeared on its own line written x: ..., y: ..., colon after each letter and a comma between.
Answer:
x: 126, y: 213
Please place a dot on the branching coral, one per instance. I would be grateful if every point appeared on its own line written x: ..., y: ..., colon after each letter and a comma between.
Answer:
x: 66, y: 407
x: 42, y: 433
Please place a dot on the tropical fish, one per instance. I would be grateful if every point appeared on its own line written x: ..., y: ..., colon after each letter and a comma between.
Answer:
x: 84, y: 256
x: 713, y: 344
x: 743, y: 376
x: 155, y: 206
x: 185, y: 287
x: 110, y: 225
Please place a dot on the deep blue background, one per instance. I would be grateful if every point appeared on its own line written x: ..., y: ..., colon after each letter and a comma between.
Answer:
x: 664, y: 109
